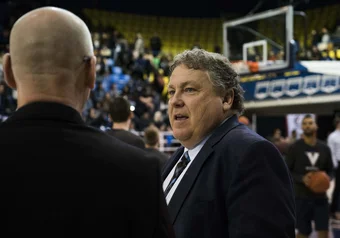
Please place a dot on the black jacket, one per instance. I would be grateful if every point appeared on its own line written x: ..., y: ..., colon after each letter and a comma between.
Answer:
x: 62, y: 178
x: 238, y: 186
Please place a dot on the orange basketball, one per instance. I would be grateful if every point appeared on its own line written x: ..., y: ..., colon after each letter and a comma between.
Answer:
x: 319, y: 182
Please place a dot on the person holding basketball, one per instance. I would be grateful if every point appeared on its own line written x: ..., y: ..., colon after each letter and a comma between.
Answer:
x: 311, y: 165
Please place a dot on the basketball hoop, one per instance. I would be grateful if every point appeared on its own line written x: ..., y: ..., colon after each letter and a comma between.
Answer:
x: 242, y: 67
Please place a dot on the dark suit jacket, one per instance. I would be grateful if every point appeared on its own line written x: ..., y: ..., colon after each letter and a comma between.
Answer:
x: 127, y: 137
x: 162, y: 158
x: 238, y: 186
x: 62, y: 178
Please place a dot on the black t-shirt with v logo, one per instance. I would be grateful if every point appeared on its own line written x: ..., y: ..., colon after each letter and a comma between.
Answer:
x: 303, y: 158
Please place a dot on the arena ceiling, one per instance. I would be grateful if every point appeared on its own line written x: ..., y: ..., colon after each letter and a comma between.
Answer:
x: 180, y: 8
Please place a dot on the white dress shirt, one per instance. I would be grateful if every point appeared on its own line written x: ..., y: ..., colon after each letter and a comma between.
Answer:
x: 192, y: 154
x: 334, y: 144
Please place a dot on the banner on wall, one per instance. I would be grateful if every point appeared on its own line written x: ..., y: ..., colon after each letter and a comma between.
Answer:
x: 306, y: 84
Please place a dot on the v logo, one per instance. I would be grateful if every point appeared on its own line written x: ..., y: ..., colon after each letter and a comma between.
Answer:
x: 313, y: 157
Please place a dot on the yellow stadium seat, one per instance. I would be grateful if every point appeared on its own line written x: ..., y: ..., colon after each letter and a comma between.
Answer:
x: 338, y: 53
x: 331, y: 54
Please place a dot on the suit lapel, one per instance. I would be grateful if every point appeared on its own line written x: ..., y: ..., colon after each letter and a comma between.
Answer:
x: 187, y: 181
x: 223, y: 129
x: 171, y: 162
x: 191, y: 174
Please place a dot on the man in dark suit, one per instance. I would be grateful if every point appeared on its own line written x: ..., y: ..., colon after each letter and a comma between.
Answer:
x: 59, y: 177
x: 225, y: 180
x: 151, y: 138
x: 121, y: 115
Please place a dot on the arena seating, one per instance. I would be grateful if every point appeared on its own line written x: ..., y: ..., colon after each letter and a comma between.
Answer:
x: 177, y: 34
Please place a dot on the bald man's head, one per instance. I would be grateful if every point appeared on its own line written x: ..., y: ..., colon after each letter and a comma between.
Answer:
x: 48, y: 40
x: 51, y: 58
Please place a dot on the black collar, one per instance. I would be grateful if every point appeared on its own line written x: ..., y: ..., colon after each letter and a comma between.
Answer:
x: 47, y: 111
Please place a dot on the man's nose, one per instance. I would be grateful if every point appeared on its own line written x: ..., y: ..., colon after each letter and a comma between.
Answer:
x: 177, y: 100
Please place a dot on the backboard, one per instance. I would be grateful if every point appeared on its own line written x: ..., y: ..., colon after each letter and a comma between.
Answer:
x: 261, y: 42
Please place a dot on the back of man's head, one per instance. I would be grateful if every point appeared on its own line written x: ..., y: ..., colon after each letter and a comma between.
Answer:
x: 120, y: 110
x: 151, y: 136
x: 51, y: 54
x: 49, y: 39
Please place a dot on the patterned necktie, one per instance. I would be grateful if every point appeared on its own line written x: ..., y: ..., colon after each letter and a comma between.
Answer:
x: 179, y: 169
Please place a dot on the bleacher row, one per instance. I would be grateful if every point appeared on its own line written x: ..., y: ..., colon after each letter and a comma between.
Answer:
x: 179, y: 34
x: 317, y: 19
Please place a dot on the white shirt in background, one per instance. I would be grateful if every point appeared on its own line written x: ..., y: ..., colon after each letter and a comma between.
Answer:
x: 333, y: 142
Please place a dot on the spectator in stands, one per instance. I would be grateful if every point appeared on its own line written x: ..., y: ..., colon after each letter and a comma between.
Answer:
x: 113, y: 91
x: 100, y: 67
x: 155, y: 44
x: 158, y: 120
x: 315, y: 38
x: 144, y: 121
x: 216, y: 183
x: 152, y: 142
x: 325, y: 39
x: 139, y: 45
x: 315, y: 55
x: 99, y: 92
x: 106, y: 102
x: 88, y: 106
x: 96, y: 117
x: 106, y: 51
x: 121, y: 115
x: 61, y: 178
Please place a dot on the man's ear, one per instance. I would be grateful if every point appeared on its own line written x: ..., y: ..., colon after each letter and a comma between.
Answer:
x: 91, y: 72
x: 8, y: 71
x: 228, y: 100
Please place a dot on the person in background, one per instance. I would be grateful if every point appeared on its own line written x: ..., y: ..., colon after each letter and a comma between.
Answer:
x: 306, y: 156
x: 333, y: 142
x: 292, y: 138
x: 121, y: 115
x: 152, y: 142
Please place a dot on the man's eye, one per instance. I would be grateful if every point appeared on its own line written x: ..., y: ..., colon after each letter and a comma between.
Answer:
x: 171, y: 92
x: 189, y: 90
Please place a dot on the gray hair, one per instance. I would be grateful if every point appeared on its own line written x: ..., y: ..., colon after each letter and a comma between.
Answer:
x: 223, y: 77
